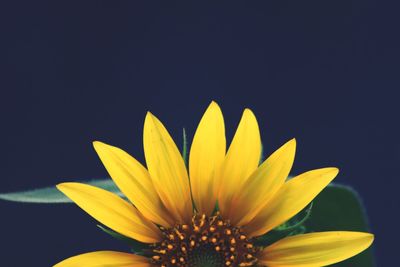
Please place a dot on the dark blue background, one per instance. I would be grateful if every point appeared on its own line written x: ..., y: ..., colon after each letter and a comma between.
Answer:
x: 324, y: 72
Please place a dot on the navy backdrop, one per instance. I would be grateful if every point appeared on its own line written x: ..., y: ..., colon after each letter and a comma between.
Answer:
x: 324, y: 72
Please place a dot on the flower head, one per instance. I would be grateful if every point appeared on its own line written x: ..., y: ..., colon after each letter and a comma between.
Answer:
x: 210, y: 213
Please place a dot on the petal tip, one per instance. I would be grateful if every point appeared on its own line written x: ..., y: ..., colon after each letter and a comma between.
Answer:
x: 59, y: 186
x: 288, y: 147
x: 292, y: 143
x: 334, y: 171
x: 370, y: 238
x: 213, y: 103
x: 70, y: 186
x: 150, y: 119
x: 214, y: 106
x: 98, y: 144
x: 331, y: 171
x: 249, y: 118
x: 102, y: 147
x: 149, y: 114
x: 248, y: 112
x: 62, y: 187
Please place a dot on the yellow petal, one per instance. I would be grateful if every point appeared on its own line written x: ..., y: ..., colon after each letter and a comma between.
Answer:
x: 316, y: 249
x: 241, y: 160
x: 134, y: 181
x: 167, y: 169
x: 105, y: 258
x: 112, y: 211
x: 293, y: 196
x: 263, y: 184
x: 206, y: 156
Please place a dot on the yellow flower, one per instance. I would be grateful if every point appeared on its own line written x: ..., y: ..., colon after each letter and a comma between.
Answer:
x: 177, y: 216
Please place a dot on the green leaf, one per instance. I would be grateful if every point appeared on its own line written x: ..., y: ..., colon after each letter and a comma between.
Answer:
x: 53, y: 195
x: 136, y: 246
x: 339, y: 208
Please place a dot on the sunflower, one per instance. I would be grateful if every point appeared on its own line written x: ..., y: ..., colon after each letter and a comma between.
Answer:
x: 210, y: 213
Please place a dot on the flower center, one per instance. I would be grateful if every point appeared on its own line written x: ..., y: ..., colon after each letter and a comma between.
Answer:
x: 206, y: 242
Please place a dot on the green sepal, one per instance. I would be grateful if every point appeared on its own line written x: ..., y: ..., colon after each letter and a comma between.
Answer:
x: 294, y: 226
x: 51, y: 195
x: 262, y: 155
x: 134, y: 245
x: 297, y: 221
x: 184, y: 147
